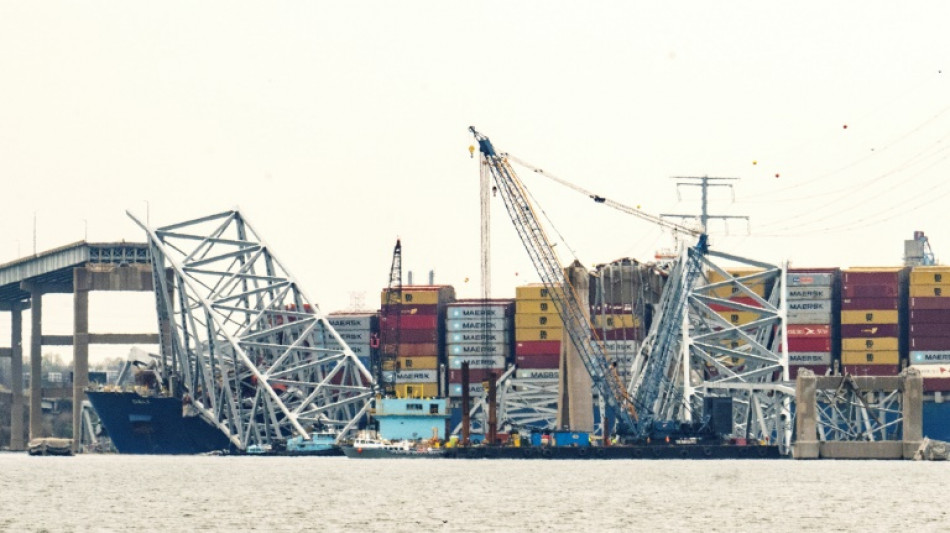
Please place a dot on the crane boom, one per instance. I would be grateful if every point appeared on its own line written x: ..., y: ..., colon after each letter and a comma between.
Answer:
x: 660, y: 221
x: 567, y: 302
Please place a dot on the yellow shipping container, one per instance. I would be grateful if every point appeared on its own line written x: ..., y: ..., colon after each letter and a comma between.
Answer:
x: 417, y: 390
x: 423, y: 295
x: 538, y: 334
x: 870, y: 316
x: 870, y: 357
x: 535, y: 306
x: 871, y: 343
x: 615, y: 321
x: 538, y: 320
x: 736, y: 272
x: 418, y: 363
x: 533, y: 291
x: 931, y: 275
x: 929, y: 290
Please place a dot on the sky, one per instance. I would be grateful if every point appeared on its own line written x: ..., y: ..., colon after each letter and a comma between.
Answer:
x: 336, y: 127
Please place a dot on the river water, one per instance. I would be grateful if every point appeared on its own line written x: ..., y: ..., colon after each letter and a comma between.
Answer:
x: 161, y: 493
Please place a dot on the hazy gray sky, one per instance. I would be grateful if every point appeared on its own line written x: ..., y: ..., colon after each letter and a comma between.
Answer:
x: 338, y: 126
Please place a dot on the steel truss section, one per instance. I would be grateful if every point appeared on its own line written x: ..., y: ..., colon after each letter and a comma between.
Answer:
x: 737, y: 347
x: 848, y: 413
x: 252, y: 354
x: 522, y: 404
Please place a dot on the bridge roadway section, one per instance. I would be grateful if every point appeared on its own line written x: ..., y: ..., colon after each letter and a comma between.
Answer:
x: 76, y: 268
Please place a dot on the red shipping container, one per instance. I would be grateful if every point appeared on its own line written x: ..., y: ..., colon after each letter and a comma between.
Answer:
x: 888, y: 277
x: 819, y: 370
x: 936, y: 384
x: 930, y: 303
x: 930, y: 316
x: 930, y: 330
x: 871, y: 370
x: 870, y: 291
x: 808, y: 330
x: 930, y: 343
x: 530, y: 348
x: 538, y: 361
x: 408, y: 349
x: 475, y: 375
x: 624, y: 334
x: 404, y: 322
x: 869, y: 330
x: 858, y: 304
x: 413, y: 336
x: 409, y: 309
x: 809, y: 344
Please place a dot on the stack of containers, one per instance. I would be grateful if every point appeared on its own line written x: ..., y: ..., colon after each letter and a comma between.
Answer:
x: 812, y: 321
x: 538, y: 329
x: 621, y: 332
x: 412, y: 337
x: 873, y: 313
x: 360, y: 331
x: 929, y: 325
x: 734, y: 316
x: 478, y: 332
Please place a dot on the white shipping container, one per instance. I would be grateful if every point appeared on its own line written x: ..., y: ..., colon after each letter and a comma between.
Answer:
x: 621, y: 346
x: 809, y: 358
x: 809, y: 306
x: 537, y: 373
x: 479, y: 337
x: 361, y: 350
x: 810, y: 279
x: 477, y: 324
x: 809, y: 317
x: 478, y: 349
x: 809, y: 293
x: 476, y: 361
x: 417, y: 376
x: 926, y: 357
x: 475, y: 311
x: 475, y: 390
x: 351, y: 322
x: 352, y: 337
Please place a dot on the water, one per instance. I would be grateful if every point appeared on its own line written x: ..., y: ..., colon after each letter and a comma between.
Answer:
x: 155, y: 493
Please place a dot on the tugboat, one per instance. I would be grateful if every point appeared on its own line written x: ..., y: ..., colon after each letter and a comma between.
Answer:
x: 365, y: 447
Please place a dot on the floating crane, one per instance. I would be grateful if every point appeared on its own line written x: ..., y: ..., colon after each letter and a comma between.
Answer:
x: 392, y: 305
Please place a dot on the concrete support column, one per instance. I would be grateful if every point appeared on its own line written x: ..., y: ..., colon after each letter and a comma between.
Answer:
x: 36, y: 364
x: 575, y: 408
x: 806, y: 416
x: 16, y: 378
x: 913, y: 431
x: 80, y: 351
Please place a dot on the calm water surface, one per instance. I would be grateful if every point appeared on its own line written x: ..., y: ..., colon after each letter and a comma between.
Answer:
x: 153, y: 493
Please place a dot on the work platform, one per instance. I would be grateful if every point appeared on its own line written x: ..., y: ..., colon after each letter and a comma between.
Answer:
x: 77, y: 269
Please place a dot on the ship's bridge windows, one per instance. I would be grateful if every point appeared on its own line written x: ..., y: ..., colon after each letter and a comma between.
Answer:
x: 433, y: 408
x: 413, y: 406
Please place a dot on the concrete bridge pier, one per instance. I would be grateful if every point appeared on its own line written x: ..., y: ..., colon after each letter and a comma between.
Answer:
x: 15, y: 352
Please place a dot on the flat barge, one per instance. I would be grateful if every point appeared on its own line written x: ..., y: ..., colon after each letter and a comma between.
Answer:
x: 647, y: 451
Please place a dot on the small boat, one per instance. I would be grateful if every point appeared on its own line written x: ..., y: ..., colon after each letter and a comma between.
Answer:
x: 50, y: 446
x: 319, y: 444
x: 372, y: 448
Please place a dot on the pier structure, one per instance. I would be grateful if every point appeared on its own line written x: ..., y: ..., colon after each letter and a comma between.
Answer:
x: 858, y: 417
x: 75, y: 269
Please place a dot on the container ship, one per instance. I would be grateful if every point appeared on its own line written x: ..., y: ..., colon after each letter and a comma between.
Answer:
x: 859, y: 321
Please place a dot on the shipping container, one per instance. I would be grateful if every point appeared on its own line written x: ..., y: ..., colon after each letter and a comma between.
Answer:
x: 870, y: 316
x: 537, y: 373
x: 614, y: 321
x: 921, y: 275
x: 352, y: 336
x: 533, y: 291
x: 870, y: 343
x: 809, y: 344
x: 417, y: 390
x: 415, y: 336
x: 538, y: 361
x: 478, y: 337
x: 501, y: 349
x: 732, y: 291
x: 477, y: 324
x: 621, y: 346
x: 870, y: 357
x: 930, y: 343
x: 798, y: 279
x: 809, y: 358
x: 475, y: 390
x: 422, y: 294
x: 545, y: 320
x: 930, y: 316
x: 478, y: 310
x: 741, y: 317
x: 809, y: 306
x: 417, y: 363
x: 534, y: 307
x: 873, y: 276
x: 417, y: 376
x: 929, y: 330
x: 930, y: 357
x: 930, y: 303
x: 930, y: 291
x: 409, y: 309
x: 475, y: 375
x: 361, y: 322
x: 476, y: 361
x: 870, y: 330
x: 870, y: 370
x: 808, y: 330
x: 870, y: 291
x: 809, y: 293
x: 860, y: 304
x: 538, y: 334
x: 407, y: 322
x: 409, y: 349
x: 627, y: 334
x: 538, y: 348
x: 360, y: 350
x: 804, y: 317
x: 818, y: 370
